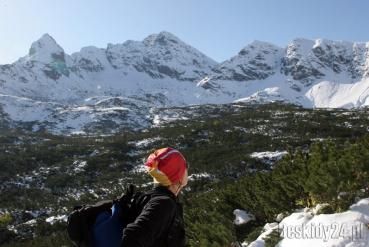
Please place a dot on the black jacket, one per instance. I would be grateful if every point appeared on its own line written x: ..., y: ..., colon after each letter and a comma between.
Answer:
x: 160, y: 223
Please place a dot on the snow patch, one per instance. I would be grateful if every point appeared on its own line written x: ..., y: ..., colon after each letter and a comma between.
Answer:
x: 197, y: 176
x: 54, y: 219
x: 79, y: 166
x: 242, y: 217
x: 269, y: 157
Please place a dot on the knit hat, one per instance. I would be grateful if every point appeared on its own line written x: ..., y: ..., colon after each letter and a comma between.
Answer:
x: 166, y: 165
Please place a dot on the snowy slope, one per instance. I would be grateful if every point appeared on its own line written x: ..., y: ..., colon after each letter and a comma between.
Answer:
x: 51, y: 89
x: 337, y: 95
x: 306, y: 228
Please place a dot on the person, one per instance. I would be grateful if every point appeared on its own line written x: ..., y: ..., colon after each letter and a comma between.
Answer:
x: 160, y: 223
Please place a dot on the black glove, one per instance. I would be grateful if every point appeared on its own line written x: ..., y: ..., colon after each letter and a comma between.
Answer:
x: 125, y: 202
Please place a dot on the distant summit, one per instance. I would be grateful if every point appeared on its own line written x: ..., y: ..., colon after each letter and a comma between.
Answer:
x: 45, y: 50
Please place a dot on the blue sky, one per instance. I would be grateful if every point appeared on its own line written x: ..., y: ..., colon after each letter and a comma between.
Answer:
x: 219, y: 28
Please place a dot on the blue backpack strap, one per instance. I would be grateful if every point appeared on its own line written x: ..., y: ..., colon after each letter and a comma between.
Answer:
x: 108, y: 229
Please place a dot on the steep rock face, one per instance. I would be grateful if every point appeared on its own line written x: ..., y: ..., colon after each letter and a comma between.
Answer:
x: 299, y: 62
x: 336, y: 56
x: 45, y: 50
x: 89, y: 59
x: 256, y: 61
x: 360, y: 65
x: 309, y: 61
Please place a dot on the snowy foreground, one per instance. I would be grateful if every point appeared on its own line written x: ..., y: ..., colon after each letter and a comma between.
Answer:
x: 306, y: 228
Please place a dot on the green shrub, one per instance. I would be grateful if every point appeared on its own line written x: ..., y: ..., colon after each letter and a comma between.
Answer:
x: 5, y: 220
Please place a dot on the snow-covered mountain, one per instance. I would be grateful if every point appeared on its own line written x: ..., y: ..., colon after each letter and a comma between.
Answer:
x: 122, y: 84
x: 264, y: 72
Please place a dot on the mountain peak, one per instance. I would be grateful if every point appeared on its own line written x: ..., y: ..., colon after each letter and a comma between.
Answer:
x: 259, y: 43
x: 326, y: 42
x: 167, y: 34
x: 163, y: 38
x: 257, y: 46
x: 302, y: 40
x: 44, y: 49
x: 47, y: 38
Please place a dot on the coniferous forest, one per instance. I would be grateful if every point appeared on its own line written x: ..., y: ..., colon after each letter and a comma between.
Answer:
x: 326, y: 154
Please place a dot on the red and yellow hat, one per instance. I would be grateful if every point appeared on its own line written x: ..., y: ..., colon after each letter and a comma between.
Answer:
x: 166, y: 165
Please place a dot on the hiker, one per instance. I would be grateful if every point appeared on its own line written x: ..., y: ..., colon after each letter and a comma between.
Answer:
x: 160, y: 223
x: 137, y: 219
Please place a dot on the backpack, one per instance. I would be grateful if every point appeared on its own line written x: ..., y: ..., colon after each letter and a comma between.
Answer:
x: 108, y: 228
x: 84, y: 219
